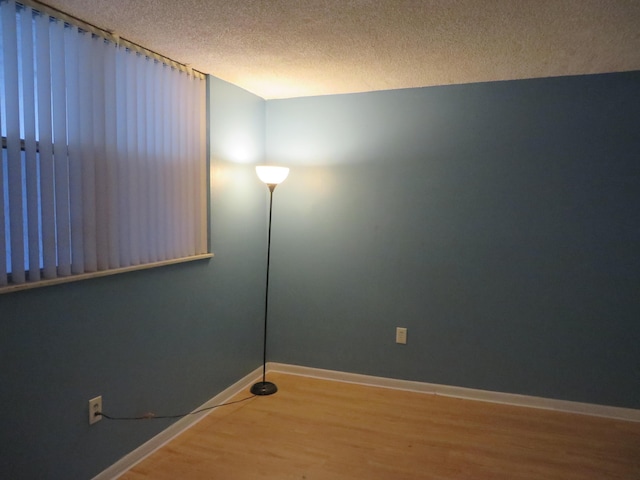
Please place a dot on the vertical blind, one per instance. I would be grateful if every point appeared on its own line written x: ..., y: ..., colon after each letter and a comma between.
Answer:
x: 103, y: 155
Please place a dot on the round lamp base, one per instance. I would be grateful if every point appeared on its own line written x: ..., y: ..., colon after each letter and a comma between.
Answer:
x: 264, y: 388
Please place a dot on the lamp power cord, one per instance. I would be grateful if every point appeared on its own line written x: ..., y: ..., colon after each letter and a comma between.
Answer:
x: 153, y: 416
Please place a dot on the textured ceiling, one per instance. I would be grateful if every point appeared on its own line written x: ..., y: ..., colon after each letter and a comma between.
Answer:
x: 291, y: 48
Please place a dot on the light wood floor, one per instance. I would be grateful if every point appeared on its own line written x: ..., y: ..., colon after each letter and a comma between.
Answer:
x: 316, y: 429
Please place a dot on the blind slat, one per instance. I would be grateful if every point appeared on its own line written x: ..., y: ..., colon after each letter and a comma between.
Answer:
x: 161, y: 161
x: 124, y: 161
x: 85, y: 84
x: 5, y: 255
x: 166, y: 164
x: 173, y: 166
x: 142, y: 160
x: 74, y: 149
x: 61, y: 166
x: 3, y: 220
x: 111, y: 156
x: 201, y: 142
x: 153, y: 112
x: 45, y: 141
x: 30, y: 144
x: 132, y: 160
x: 14, y: 157
x: 188, y: 191
x: 99, y: 152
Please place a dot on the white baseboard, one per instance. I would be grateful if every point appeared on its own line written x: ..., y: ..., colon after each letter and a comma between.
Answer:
x: 618, y: 413
x: 143, y: 451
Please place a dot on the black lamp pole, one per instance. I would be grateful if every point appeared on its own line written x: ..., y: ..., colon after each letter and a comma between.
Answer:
x: 264, y: 387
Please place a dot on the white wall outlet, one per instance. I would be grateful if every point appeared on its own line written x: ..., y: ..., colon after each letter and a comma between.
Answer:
x: 401, y: 335
x: 95, y: 406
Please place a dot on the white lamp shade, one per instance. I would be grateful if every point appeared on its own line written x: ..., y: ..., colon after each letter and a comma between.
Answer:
x: 272, y: 175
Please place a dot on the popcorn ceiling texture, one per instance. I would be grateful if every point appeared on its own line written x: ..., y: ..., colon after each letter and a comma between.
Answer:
x: 292, y: 48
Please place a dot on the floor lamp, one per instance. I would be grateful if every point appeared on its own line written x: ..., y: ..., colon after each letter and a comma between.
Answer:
x: 272, y: 176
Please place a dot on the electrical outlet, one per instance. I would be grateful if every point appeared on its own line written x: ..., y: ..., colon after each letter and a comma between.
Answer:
x: 95, y: 406
x: 401, y: 335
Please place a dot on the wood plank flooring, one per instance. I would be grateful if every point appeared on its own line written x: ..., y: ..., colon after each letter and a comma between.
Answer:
x: 322, y: 430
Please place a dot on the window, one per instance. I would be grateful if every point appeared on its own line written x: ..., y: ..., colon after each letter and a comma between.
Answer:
x: 103, y: 152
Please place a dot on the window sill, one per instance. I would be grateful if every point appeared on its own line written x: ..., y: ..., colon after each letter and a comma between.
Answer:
x: 103, y: 273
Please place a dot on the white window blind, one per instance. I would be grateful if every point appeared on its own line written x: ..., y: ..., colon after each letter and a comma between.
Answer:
x: 103, y: 154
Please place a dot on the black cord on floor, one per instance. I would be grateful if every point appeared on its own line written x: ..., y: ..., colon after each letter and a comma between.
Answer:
x: 152, y: 416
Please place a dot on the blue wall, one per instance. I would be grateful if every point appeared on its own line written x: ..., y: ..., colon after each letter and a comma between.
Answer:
x: 499, y: 222
x: 164, y: 340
